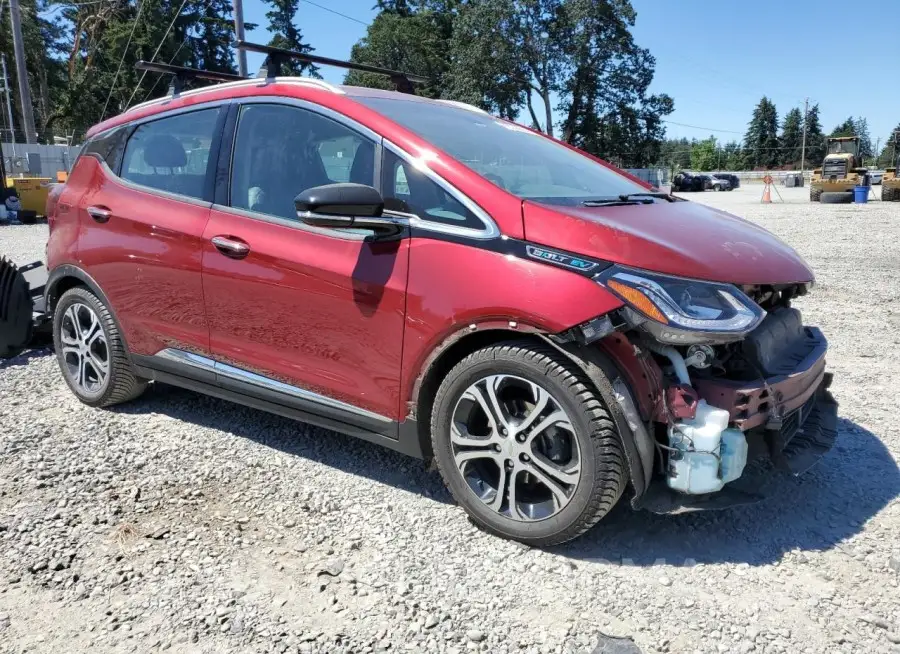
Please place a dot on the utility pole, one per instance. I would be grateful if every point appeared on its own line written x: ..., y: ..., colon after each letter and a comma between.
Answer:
x: 803, y: 147
x: 238, y: 6
x: 12, y: 132
x: 15, y: 19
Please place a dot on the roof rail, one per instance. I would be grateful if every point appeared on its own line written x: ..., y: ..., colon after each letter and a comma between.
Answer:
x: 277, y: 57
x: 181, y: 74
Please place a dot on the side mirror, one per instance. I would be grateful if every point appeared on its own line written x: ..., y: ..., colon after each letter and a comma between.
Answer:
x: 345, y: 206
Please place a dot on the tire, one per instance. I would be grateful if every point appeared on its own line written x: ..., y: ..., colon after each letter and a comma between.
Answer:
x: 815, y: 195
x: 587, y: 433
x: 843, y: 197
x: 889, y: 194
x: 84, y: 336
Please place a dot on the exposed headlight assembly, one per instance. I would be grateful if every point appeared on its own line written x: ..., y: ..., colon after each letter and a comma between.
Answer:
x: 677, y: 310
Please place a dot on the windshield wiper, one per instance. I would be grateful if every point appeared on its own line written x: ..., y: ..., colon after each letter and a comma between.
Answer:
x: 650, y: 194
x: 620, y: 201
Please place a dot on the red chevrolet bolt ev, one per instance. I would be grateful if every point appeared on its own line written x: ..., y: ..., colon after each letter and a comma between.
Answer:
x: 551, y: 331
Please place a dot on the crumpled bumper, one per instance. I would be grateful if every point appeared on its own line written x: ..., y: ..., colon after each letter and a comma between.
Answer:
x: 794, y: 445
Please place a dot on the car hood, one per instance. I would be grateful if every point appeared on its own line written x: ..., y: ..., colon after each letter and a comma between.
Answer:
x: 678, y: 238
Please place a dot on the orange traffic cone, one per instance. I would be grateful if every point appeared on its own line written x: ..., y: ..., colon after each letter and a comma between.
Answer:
x: 767, y: 195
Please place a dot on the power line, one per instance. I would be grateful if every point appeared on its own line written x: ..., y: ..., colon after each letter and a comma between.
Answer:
x: 708, y: 129
x: 122, y: 60
x: 158, y: 48
x: 337, y: 13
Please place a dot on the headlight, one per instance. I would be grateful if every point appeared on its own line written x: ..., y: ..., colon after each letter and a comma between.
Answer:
x: 677, y: 310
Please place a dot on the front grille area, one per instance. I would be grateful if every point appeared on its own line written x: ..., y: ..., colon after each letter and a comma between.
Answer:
x: 795, y: 419
x: 835, y: 169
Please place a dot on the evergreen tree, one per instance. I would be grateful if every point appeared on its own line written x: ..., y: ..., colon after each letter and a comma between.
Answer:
x: 761, y: 139
x: 815, y: 138
x: 846, y: 128
x: 791, y: 138
x: 287, y: 35
x: 214, y: 45
x: 891, y: 150
x: 866, y: 147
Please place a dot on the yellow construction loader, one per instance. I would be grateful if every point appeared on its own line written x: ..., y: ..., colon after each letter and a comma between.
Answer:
x: 890, y: 183
x: 840, y: 172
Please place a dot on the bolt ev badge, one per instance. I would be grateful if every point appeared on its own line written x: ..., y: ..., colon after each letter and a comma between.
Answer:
x: 560, y: 259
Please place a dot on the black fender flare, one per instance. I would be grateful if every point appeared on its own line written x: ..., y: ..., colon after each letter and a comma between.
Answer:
x: 638, y: 445
x: 70, y: 271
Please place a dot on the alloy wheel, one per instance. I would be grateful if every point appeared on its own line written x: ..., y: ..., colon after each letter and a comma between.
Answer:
x: 84, y: 347
x: 516, y: 447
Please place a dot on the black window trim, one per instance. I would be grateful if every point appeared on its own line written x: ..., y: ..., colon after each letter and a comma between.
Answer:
x: 490, y: 229
x: 222, y: 196
x: 214, y: 148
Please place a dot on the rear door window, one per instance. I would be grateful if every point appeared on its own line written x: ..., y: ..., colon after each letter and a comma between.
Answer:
x: 172, y: 154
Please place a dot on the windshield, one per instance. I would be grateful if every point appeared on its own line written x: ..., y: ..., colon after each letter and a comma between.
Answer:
x: 512, y: 157
x: 842, y: 147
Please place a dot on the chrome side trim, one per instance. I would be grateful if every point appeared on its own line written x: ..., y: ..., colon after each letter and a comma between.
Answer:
x: 490, y: 227
x: 187, y: 358
x: 238, y: 374
x: 258, y: 81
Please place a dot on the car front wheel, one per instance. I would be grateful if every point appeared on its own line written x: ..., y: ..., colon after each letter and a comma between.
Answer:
x: 526, y: 444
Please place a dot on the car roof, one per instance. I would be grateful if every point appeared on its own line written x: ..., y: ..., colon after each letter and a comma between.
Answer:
x: 239, y: 88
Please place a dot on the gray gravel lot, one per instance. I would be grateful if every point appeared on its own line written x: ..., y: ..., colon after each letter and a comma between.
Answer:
x: 186, y: 524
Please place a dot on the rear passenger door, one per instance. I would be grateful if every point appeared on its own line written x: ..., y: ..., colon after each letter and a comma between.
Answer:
x: 141, y: 225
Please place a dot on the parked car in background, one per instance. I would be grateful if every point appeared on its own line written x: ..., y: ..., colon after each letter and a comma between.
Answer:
x: 551, y: 332
x: 716, y: 183
x: 876, y: 176
x: 686, y: 182
x: 733, y: 180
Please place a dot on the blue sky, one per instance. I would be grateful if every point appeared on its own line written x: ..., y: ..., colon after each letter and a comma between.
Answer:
x: 716, y: 59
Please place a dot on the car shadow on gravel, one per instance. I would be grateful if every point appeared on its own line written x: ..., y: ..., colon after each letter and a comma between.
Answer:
x: 346, y: 453
x: 815, y: 512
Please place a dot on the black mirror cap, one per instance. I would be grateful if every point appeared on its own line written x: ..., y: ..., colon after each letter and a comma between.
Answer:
x: 346, y: 199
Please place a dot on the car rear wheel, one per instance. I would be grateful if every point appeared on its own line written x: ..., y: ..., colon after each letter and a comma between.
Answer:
x: 526, y: 445
x: 91, y: 352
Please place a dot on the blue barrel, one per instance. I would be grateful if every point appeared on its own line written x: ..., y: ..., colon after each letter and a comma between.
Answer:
x: 860, y: 194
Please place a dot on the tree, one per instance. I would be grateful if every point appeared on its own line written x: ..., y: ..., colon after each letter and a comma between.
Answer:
x: 791, y: 138
x: 675, y: 154
x: 705, y: 155
x: 846, y: 128
x: 761, y: 139
x: 418, y: 44
x: 861, y: 129
x: 287, y: 35
x: 732, y: 156
x: 815, y: 138
x: 890, y: 151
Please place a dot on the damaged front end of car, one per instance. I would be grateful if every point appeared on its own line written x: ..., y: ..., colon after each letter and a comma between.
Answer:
x: 725, y: 380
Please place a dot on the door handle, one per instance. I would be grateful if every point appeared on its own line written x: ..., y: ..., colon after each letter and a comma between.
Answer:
x: 231, y: 246
x: 100, y: 214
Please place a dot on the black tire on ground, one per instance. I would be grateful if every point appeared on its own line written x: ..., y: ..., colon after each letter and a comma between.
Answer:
x: 120, y: 384
x: 889, y: 194
x: 815, y: 194
x: 843, y: 197
x: 603, y: 475
x: 15, y: 310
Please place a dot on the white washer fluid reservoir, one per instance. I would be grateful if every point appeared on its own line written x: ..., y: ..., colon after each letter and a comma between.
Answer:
x: 695, y: 465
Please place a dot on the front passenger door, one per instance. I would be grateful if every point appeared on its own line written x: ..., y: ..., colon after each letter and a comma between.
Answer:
x: 300, y: 315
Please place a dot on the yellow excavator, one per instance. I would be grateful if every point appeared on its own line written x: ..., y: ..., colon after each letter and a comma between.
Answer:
x: 890, y: 183
x: 840, y: 172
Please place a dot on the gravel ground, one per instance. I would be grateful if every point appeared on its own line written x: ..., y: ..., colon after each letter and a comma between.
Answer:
x: 186, y: 524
